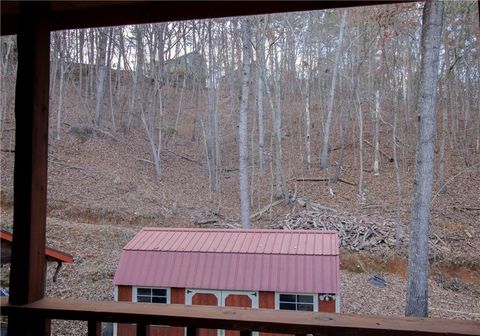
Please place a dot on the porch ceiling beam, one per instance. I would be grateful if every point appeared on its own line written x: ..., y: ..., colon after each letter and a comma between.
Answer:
x: 85, y: 14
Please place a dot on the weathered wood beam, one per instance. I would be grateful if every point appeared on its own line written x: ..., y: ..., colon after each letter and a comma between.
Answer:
x: 265, y: 320
x: 28, y: 266
x: 84, y: 14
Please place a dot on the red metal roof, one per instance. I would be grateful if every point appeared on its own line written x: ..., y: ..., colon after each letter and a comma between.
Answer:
x: 265, y: 260
x: 50, y: 253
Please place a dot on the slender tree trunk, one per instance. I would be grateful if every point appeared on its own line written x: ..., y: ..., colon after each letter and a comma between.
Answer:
x: 328, y: 121
x: 101, y: 74
x: 138, y: 75
x: 360, y: 190
x: 441, y: 169
x: 417, y: 290
x: 376, y: 150
x: 260, y: 85
x: 60, y: 99
x: 211, y: 118
x: 91, y: 65
x: 280, y: 184
x: 308, y: 123
x: 308, y: 94
x: 81, y: 43
x: 242, y: 129
x: 398, y: 217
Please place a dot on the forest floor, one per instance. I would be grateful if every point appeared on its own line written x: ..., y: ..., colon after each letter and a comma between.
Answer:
x: 102, y: 191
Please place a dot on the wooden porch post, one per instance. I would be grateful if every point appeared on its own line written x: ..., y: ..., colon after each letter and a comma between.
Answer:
x: 28, y: 265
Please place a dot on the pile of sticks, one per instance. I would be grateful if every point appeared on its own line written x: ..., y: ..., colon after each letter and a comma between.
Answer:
x: 355, y: 234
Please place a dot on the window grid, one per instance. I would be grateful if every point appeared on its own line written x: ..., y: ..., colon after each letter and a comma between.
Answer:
x: 300, y: 302
x: 151, y: 295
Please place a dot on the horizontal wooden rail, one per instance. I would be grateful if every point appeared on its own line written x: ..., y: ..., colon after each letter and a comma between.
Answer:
x: 266, y: 320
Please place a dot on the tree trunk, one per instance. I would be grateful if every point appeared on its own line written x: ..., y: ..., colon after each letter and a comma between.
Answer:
x: 260, y: 85
x: 398, y: 218
x: 242, y: 129
x: 138, y: 75
x: 101, y: 74
x: 281, y: 190
x: 417, y: 290
x: 308, y: 94
x: 328, y: 121
x: 211, y: 118
x: 60, y: 99
x: 376, y: 152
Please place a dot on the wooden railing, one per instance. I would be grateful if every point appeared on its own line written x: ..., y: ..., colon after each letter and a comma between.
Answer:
x: 244, y: 320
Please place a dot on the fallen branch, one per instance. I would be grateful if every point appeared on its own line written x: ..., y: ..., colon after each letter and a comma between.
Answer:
x: 380, y: 151
x: 145, y: 160
x: 346, y: 182
x: 465, y: 209
x: 265, y: 209
x: 184, y: 157
x: 316, y: 206
x: 312, y: 179
x: 206, y: 221
x: 340, y: 147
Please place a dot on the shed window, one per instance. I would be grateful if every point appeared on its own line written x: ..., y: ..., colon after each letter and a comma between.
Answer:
x: 151, y: 295
x: 296, y: 302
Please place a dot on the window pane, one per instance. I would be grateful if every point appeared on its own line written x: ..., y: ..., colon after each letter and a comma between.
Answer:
x: 159, y: 299
x: 287, y: 298
x: 305, y: 307
x: 159, y: 292
x: 143, y: 298
x: 305, y: 298
x: 144, y: 291
x: 287, y: 306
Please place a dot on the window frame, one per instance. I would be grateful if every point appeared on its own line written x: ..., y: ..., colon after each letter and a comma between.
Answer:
x: 313, y: 295
x: 135, y: 294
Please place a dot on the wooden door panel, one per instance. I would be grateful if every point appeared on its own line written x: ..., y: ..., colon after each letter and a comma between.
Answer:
x: 237, y: 300
x: 205, y: 299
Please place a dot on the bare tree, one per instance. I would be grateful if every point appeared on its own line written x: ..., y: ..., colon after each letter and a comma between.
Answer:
x: 281, y: 190
x: 376, y: 144
x: 331, y: 96
x: 138, y: 74
x: 211, y: 139
x: 308, y: 60
x: 62, y: 49
x: 101, y: 75
x: 260, y: 52
x: 417, y: 290
x: 242, y: 129
x: 152, y: 105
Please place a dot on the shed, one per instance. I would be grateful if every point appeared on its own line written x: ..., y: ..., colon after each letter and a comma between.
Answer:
x: 273, y: 269
x: 51, y: 254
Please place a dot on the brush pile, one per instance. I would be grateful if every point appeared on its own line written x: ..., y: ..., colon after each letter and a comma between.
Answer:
x: 355, y: 233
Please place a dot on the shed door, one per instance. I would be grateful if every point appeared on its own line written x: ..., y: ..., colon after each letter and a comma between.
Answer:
x: 204, y: 298
x: 221, y: 299
x: 241, y: 300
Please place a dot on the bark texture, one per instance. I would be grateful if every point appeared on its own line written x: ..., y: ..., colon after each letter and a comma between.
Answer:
x: 417, y: 290
x: 242, y: 127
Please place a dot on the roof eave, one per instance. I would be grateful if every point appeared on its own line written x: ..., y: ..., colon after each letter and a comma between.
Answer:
x: 79, y: 14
